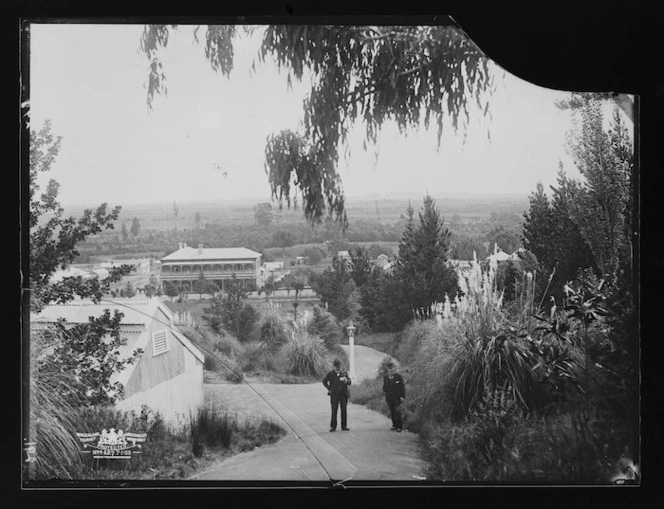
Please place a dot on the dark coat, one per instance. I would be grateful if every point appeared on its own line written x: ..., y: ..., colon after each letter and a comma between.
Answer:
x: 394, y: 387
x: 336, y: 387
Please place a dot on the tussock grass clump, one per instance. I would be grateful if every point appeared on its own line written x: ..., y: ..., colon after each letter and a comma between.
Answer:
x: 212, y: 428
x: 53, y: 420
x: 305, y: 355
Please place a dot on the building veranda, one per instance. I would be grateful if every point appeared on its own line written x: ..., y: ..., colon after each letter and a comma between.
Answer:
x: 217, y: 265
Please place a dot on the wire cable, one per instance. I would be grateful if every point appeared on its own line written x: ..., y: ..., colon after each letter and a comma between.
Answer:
x: 239, y: 375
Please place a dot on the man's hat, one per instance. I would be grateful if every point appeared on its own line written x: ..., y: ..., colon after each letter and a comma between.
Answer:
x: 337, y: 363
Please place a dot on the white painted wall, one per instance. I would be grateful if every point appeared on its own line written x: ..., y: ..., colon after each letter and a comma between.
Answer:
x: 175, y: 399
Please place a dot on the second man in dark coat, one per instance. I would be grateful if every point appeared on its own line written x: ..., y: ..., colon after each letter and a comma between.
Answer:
x: 395, y: 392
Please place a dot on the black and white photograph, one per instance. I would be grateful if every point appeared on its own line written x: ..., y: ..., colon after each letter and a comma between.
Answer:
x: 322, y: 254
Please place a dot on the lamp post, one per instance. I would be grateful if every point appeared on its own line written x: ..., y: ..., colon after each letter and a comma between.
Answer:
x: 351, y: 343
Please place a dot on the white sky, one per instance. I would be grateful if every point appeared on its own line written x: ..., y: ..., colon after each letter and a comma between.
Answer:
x: 90, y: 81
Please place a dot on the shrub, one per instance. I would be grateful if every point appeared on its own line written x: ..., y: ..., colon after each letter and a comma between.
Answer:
x: 246, y: 322
x: 324, y: 325
x: 337, y: 352
x: 496, y: 445
x: 256, y: 357
x: 305, y: 355
x: 411, y: 339
x: 273, y: 330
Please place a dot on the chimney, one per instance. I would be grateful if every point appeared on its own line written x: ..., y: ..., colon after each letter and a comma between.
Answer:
x: 200, y: 248
x: 179, y: 245
x: 184, y: 244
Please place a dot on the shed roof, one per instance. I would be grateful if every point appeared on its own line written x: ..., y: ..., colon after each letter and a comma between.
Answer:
x: 135, y: 311
x: 211, y: 253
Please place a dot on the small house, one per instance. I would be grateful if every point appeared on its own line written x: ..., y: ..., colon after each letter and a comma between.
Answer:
x: 168, y: 375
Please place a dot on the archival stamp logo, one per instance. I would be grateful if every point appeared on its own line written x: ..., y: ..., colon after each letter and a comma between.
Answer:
x: 112, y: 444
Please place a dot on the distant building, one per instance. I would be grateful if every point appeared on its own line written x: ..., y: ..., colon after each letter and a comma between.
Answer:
x: 168, y: 375
x: 301, y: 260
x: 498, y: 256
x: 139, y: 265
x: 343, y: 254
x: 381, y: 261
x: 71, y: 271
x: 217, y: 264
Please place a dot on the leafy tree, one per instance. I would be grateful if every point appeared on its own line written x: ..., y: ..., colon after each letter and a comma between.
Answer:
x: 152, y: 288
x: 324, y: 325
x: 225, y: 308
x: 268, y: 287
x: 263, y: 214
x: 176, y: 210
x: 371, y: 74
x: 314, y: 255
x: 508, y: 241
x: 604, y: 203
x: 197, y: 218
x: 383, y: 306
x: 124, y: 234
x: 246, y: 322
x: 135, y: 227
x: 201, y: 285
x: 171, y: 289
x: 360, y: 265
x: 54, y: 242
x: 335, y: 287
x: 283, y: 240
x: 79, y: 359
x: 90, y: 354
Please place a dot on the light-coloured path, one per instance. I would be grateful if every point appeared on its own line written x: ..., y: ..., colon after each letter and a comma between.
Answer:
x: 309, y: 452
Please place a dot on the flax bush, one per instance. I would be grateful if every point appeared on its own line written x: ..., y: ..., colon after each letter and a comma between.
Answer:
x: 305, y: 355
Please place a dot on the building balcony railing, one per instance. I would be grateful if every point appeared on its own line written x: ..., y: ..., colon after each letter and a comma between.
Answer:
x: 207, y: 273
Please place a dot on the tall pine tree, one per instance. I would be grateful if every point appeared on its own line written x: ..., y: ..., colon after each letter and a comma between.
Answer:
x: 422, y: 268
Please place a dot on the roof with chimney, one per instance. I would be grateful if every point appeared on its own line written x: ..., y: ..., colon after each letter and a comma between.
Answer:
x: 187, y: 253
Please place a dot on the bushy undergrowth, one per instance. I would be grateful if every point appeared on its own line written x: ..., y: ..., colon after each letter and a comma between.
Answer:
x: 256, y: 357
x: 504, y: 396
x: 411, y: 339
x: 385, y: 342
x: 497, y: 445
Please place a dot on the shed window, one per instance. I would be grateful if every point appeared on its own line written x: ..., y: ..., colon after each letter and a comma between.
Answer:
x: 159, y: 343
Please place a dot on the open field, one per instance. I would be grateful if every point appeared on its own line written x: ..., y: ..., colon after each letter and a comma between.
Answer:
x: 388, y: 209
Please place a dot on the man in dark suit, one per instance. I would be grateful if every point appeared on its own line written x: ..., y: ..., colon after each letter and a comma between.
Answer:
x: 336, y: 382
x: 395, y: 393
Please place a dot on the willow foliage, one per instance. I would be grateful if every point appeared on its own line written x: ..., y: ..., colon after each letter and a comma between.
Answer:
x: 368, y: 74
